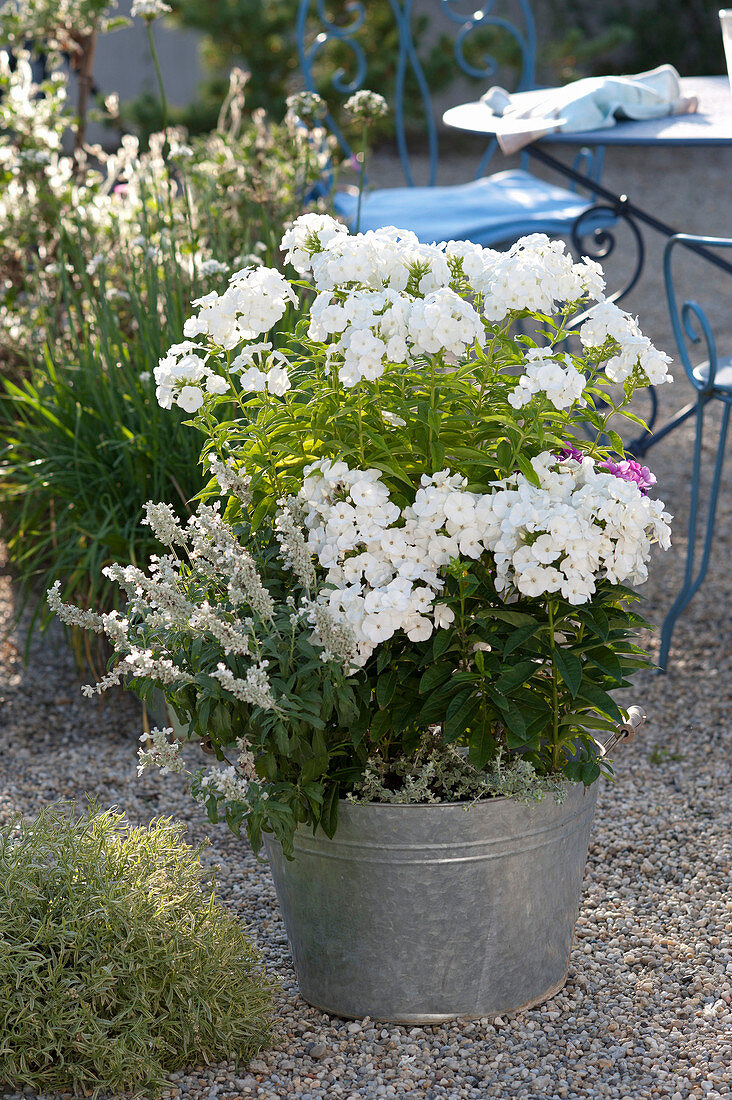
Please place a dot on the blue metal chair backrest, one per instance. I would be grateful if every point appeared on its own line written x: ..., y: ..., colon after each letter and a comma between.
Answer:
x: 690, y: 316
x: 509, y: 20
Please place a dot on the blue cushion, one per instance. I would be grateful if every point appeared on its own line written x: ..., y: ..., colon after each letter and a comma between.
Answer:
x: 486, y: 211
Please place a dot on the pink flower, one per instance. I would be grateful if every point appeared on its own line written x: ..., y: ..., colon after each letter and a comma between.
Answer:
x: 629, y: 470
x: 569, y: 451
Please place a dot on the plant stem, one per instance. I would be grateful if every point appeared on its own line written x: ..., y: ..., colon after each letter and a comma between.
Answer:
x: 161, y: 86
x: 555, y: 692
x: 362, y: 176
x: 86, y: 69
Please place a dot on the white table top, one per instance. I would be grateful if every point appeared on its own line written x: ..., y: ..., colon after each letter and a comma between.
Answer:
x: 711, y: 125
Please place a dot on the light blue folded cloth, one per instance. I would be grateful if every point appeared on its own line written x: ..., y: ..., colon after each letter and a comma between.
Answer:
x: 593, y: 103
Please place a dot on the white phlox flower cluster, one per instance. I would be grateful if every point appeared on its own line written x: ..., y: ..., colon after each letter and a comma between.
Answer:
x: 322, y: 249
x: 537, y: 274
x: 581, y: 524
x: 310, y: 233
x: 385, y: 576
x: 160, y: 751
x: 471, y: 265
x: 387, y: 566
x: 443, y: 322
x: 263, y: 369
x: 369, y: 327
x: 183, y: 376
x: 401, y: 310
x: 255, y: 300
x: 554, y: 375
x: 636, y: 354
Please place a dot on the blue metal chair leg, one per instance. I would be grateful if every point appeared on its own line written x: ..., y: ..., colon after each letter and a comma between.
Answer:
x: 691, y: 585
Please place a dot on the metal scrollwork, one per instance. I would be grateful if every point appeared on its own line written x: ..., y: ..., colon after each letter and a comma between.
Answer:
x: 690, y: 312
x: 308, y: 52
x: 332, y: 31
x: 484, y: 17
x: 684, y: 324
x: 597, y: 241
x: 317, y: 15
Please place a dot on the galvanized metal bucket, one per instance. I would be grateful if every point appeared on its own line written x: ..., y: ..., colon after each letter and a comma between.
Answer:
x: 416, y: 914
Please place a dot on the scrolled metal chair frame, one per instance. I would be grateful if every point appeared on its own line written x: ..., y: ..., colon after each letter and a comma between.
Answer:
x: 691, y: 327
x: 484, y: 15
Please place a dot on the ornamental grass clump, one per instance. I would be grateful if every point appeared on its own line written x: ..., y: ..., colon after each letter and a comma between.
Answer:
x: 118, y: 965
x: 430, y: 533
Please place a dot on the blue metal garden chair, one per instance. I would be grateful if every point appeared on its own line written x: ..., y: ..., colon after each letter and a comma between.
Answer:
x: 489, y: 209
x: 712, y: 381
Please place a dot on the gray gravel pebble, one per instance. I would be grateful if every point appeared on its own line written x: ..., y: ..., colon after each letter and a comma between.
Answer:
x: 647, y: 1008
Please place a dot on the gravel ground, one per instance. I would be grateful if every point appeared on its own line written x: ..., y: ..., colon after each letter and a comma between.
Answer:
x: 646, y: 1011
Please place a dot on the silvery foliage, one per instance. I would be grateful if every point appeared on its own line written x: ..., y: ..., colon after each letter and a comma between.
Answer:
x: 443, y: 773
x: 236, y: 639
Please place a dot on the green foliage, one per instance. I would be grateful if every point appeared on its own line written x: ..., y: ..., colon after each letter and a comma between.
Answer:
x: 259, y: 36
x: 118, y: 965
x: 635, y: 35
x: 500, y: 682
x: 97, y: 285
x: 84, y: 443
x: 50, y: 23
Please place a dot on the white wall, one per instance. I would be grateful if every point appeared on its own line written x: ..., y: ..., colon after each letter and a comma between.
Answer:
x: 123, y: 63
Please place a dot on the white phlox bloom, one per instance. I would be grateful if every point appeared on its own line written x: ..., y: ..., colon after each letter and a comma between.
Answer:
x: 442, y: 321
x: 263, y: 369
x: 182, y: 377
x: 553, y: 375
x: 309, y: 234
x: 383, y: 563
x: 386, y: 566
x: 255, y: 300
x: 537, y: 274
x: 472, y: 263
x: 636, y: 355
x: 322, y: 248
x: 371, y: 328
x: 580, y: 525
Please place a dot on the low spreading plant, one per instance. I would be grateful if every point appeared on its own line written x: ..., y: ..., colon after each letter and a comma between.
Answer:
x: 118, y: 965
x: 431, y: 528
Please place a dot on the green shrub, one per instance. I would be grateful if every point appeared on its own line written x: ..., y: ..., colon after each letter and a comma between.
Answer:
x: 117, y: 964
x: 84, y: 443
